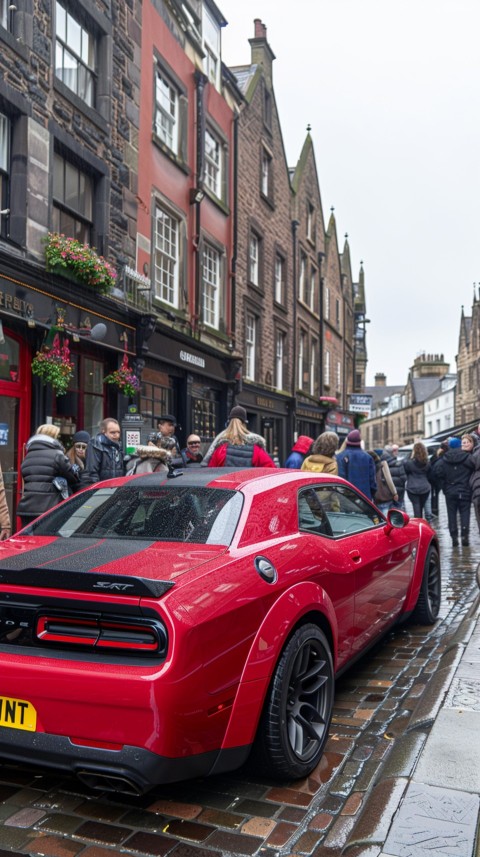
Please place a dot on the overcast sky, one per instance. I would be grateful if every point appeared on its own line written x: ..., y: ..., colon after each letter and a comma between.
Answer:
x: 391, y: 91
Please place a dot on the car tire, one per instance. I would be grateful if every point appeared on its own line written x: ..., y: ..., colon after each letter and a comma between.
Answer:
x: 428, y: 604
x: 296, y: 717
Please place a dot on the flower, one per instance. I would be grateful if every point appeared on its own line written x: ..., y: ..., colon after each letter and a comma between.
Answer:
x: 124, y: 379
x: 82, y: 260
x: 53, y: 365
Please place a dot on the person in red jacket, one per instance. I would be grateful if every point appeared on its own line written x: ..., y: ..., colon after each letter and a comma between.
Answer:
x: 236, y: 451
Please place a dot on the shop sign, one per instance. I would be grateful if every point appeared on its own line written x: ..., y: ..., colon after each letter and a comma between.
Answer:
x: 360, y: 403
x: 263, y: 402
x: 194, y: 359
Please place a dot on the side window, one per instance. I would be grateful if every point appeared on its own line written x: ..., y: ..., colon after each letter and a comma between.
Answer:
x: 335, y: 511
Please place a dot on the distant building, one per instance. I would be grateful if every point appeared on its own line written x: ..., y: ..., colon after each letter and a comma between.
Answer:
x: 398, y: 416
x: 467, y: 405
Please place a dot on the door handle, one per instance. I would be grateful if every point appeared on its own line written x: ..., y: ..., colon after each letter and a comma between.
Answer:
x: 355, y: 556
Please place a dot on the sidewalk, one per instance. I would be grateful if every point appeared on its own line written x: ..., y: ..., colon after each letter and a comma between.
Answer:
x: 427, y: 798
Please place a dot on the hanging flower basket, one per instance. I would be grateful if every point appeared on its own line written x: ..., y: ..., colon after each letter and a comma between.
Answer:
x: 53, y: 366
x: 124, y: 379
x: 72, y: 259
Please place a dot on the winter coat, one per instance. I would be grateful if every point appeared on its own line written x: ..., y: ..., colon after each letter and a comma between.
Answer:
x: 250, y: 437
x: 300, y: 449
x: 397, y: 472
x: 45, y: 459
x: 475, y: 476
x: 240, y: 455
x: 320, y: 464
x: 418, y: 473
x: 148, y: 459
x: 357, y: 466
x: 104, y: 460
x: 455, y: 469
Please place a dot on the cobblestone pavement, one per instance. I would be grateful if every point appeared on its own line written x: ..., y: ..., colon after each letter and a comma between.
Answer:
x: 243, y: 814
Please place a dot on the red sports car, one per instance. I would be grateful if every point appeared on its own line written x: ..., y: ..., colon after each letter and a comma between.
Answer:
x: 154, y: 629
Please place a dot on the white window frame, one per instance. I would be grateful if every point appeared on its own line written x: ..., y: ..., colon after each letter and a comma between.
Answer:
x: 166, y: 111
x: 250, y: 345
x: 166, y: 257
x: 302, y: 352
x: 211, y: 276
x: 303, y: 277
x: 339, y: 375
x: 279, y: 292
x: 4, y: 144
x: 327, y: 303
x: 211, y: 47
x: 213, y: 163
x: 75, y: 60
x: 4, y: 4
x: 313, y: 368
x: 266, y: 173
x: 313, y: 286
x: 254, y: 259
x: 279, y: 359
x: 326, y: 368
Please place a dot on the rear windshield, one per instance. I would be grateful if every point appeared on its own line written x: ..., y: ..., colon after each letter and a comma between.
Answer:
x: 201, y: 515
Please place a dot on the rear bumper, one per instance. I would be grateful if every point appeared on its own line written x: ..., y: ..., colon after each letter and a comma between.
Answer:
x: 131, y: 770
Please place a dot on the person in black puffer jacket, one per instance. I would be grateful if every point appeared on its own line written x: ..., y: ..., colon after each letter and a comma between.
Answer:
x: 105, y: 458
x: 454, y: 470
x: 45, y: 460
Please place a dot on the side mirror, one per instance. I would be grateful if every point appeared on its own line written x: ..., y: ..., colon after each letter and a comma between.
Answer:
x: 396, y: 520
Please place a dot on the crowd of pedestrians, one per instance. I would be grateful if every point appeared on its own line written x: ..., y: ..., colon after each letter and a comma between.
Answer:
x: 50, y: 474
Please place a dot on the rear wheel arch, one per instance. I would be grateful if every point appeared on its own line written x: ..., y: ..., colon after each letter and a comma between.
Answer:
x: 252, y: 691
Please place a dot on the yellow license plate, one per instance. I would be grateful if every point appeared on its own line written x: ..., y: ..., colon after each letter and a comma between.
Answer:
x: 17, y: 714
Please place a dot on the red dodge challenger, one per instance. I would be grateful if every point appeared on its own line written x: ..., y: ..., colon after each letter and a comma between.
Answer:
x: 154, y: 629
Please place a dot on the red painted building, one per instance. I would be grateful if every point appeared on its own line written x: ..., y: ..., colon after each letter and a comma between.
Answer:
x: 185, y: 229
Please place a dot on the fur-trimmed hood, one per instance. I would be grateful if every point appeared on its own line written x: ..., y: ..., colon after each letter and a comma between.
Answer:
x: 153, y: 452
x: 250, y: 438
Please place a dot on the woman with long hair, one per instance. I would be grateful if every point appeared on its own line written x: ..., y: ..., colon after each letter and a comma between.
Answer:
x: 237, y: 450
x: 417, y: 468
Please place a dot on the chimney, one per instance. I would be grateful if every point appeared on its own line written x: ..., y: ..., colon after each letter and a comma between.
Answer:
x: 262, y: 53
x: 380, y: 380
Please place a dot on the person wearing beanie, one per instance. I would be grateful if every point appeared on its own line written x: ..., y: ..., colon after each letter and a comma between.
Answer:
x: 299, y: 452
x: 455, y: 470
x: 238, y: 418
x: 322, y: 458
x: 238, y: 413
x: 237, y: 450
x: 78, y: 453
x: 356, y: 466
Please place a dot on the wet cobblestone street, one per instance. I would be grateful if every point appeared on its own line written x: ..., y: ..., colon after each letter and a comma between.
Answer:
x: 241, y: 813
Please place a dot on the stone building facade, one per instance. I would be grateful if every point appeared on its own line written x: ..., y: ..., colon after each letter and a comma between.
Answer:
x: 264, y: 283
x: 467, y: 405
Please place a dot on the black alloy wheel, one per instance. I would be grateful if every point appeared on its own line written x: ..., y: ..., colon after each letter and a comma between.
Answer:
x: 428, y: 603
x: 298, y: 709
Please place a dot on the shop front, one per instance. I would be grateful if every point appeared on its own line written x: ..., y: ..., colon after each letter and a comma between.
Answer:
x: 183, y: 379
x: 268, y: 415
x: 34, y: 316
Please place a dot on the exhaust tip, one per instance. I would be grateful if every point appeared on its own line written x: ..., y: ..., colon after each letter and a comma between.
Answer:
x: 110, y: 782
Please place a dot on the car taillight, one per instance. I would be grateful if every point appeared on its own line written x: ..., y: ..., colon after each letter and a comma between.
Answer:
x: 101, y: 633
